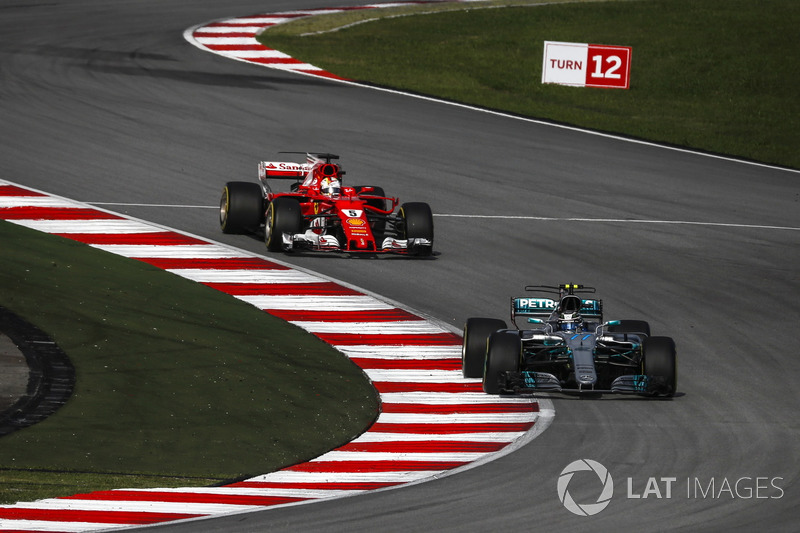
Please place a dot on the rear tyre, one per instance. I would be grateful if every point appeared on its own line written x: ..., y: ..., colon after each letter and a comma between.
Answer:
x: 660, y: 365
x: 241, y: 207
x: 503, y: 354
x: 473, y: 348
x: 283, y: 216
x: 417, y: 220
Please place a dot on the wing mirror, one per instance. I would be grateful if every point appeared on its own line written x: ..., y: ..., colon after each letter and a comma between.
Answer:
x: 604, y: 324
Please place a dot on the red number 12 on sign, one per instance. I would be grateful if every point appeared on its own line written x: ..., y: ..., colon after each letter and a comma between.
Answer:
x: 609, y: 66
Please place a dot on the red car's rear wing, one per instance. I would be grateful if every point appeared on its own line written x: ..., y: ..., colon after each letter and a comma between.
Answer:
x: 283, y: 170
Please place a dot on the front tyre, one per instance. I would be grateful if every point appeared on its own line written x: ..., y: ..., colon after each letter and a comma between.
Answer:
x: 241, y: 207
x: 283, y: 216
x: 473, y: 348
x: 660, y: 365
x: 503, y: 354
x: 417, y: 223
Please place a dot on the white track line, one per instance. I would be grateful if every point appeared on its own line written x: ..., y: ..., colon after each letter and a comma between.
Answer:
x: 242, y: 51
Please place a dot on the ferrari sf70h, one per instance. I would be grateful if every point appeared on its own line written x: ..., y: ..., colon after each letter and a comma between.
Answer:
x: 320, y: 213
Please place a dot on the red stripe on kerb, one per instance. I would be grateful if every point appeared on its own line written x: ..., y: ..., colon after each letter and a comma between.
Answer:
x: 432, y: 339
x: 314, y: 486
x: 424, y: 446
x: 166, y: 238
x: 235, y: 24
x: 447, y: 408
x: 13, y: 190
x: 278, y: 15
x: 200, y: 33
x: 275, y: 60
x: 54, y: 213
x: 235, y: 47
x: 408, y: 364
x: 327, y: 288
x: 375, y: 466
x: 400, y: 386
x: 355, y: 8
x: 224, y: 263
x: 100, y: 517
x: 378, y: 315
x: 184, y: 497
x: 451, y: 429
x: 323, y: 74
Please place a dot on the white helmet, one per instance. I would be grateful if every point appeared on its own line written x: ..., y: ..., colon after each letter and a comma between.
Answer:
x: 330, y: 187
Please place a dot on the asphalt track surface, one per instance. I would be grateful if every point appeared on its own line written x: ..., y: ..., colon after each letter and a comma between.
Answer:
x: 106, y: 103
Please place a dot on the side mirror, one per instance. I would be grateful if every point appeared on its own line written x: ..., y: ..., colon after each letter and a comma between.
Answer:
x: 536, y: 321
x: 604, y: 324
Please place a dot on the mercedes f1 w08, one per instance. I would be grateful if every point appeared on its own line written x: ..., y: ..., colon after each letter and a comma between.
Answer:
x: 319, y: 213
x: 567, y: 347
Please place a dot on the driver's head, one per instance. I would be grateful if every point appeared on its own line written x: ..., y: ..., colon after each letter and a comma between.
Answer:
x: 569, y: 313
x: 569, y: 322
x: 330, y: 187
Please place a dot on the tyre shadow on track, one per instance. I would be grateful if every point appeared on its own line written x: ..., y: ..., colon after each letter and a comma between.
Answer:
x: 588, y: 397
x: 51, y: 376
x: 385, y: 256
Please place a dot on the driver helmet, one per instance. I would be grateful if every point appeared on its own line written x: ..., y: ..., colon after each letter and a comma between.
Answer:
x: 569, y: 321
x: 569, y: 314
x: 330, y: 187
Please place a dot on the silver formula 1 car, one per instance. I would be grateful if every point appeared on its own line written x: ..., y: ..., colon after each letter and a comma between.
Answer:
x: 567, y: 347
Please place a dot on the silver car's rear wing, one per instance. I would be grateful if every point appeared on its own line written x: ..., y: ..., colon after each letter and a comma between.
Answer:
x: 544, y: 307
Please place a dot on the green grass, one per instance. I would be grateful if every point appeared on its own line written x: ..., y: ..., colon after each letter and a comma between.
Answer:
x: 176, y: 383
x: 713, y: 75
x: 180, y: 385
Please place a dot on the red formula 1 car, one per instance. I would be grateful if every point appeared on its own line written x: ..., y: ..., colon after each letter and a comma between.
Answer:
x: 318, y: 213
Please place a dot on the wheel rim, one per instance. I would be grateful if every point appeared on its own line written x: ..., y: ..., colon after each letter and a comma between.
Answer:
x: 268, y: 223
x: 224, y: 207
x: 402, y: 216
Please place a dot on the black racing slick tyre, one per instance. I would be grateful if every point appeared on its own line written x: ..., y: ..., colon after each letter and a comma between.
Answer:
x: 377, y: 222
x: 283, y: 216
x: 503, y: 354
x: 630, y: 326
x: 660, y: 365
x: 473, y: 347
x: 378, y: 203
x: 241, y: 207
x: 417, y: 219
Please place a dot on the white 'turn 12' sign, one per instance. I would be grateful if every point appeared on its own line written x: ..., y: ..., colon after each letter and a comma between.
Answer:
x: 587, y: 65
